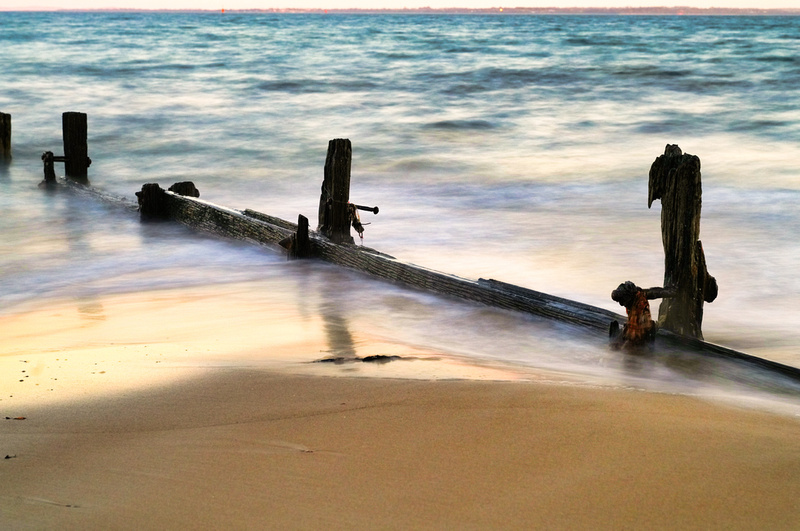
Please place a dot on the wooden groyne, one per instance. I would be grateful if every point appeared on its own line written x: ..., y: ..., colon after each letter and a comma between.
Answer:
x: 256, y: 227
x: 259, y: 228
x: 332, y: 243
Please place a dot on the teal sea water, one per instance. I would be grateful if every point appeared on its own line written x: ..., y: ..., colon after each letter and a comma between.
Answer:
x: 507, y: 147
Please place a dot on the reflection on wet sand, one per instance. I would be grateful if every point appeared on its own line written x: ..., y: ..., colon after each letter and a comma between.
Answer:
x: 120, y: 343
x: 91, y: 310
x: 340, y: 341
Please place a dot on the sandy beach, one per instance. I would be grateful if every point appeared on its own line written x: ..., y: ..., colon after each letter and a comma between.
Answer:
x: 248, y: 449
x: 170, y: 443
x: 157, y: 377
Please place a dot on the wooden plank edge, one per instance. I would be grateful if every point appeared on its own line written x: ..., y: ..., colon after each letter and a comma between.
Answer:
x: 94, y: 193
x: 719, y: 351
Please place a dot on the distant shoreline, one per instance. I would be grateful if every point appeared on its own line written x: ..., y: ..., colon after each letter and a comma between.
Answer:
x: 628, y: 11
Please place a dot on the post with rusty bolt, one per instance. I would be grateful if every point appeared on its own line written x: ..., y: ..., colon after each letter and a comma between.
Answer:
x: 374, y: 209
x: 76, y: 151
x: 5, y: 137
x: 334, y: 216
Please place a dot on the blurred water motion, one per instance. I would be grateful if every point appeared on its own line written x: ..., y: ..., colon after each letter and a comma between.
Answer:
x: 514, y: 148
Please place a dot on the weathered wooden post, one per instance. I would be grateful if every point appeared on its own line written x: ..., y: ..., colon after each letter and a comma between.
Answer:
x: 298, y: 244
x: 302, y: 247
x: 76, y: 159
x: 5, y: 137
x: 675, y: 179
x: 334, y: 214
x: 49, y: 170
x: 152, y: 202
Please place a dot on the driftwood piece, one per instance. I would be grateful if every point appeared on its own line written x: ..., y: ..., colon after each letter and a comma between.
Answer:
x: 5, y: 137
x: 675, y: 180
x: 334, y: 213
x: 76, y: 157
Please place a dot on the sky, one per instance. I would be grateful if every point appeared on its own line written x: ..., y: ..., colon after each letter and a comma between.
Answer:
x: 394, y: 4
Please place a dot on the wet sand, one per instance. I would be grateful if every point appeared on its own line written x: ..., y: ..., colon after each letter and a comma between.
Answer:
x: 243, y: 448
x: 261, y: 446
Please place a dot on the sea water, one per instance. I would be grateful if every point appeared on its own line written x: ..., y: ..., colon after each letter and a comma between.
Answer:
x: 506, y: 147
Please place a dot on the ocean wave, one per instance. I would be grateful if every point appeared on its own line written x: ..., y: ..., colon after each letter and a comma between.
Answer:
x: 778, y: 59
x: 459, y: 125
x: 651, y: 72
x: 595, y: 41
x: 309, y: 86
x: 496, y: 78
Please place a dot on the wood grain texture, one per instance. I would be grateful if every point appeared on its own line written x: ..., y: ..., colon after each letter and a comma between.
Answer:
x: 675, y: 180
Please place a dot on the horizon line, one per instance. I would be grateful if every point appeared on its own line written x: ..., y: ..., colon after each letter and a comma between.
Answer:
x: 628, y: 10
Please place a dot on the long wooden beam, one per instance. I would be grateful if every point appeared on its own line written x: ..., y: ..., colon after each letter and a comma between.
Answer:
x: 257, y: 227
x: 263, y: 229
